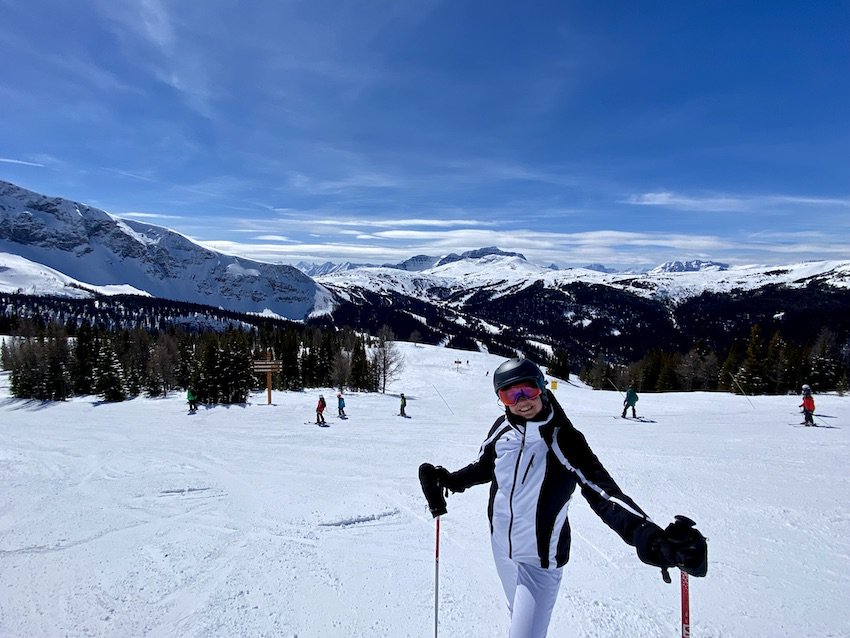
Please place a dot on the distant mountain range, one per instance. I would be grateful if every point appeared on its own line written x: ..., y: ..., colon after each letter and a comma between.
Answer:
x: 482, y: 299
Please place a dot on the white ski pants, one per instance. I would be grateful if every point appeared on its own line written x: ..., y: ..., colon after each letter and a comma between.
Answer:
x: 531, y: 592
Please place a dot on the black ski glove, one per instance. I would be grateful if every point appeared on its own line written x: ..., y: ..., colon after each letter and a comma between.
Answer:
x: 688, y: 546
x: 433, y: 481
x: 679, y: 545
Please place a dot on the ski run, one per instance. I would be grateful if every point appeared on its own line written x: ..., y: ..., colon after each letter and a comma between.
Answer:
x: 131, y: 519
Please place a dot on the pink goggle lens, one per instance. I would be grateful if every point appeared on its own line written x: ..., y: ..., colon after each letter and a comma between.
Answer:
x: 514, y: 394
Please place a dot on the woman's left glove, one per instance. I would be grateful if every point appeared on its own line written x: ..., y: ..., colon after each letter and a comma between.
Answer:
x: 680, y: 545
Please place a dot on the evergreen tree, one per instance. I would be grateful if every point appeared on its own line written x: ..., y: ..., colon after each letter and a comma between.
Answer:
x: 597, y: 375
x: 162, y: 366
x: 28, y: 370
x: 824, y: 361
x: 752, y: 373
x: 726, y: 379
x: 108, y: 375
x: 559, y: 364
x: 58, y: 377
x: 341, y: 369
x: 360, y: 374
x: 187, y: 371
x: 207, y: 380
x: 309, y: 364
x: 5, y: 356
x: 83, y: 360
x: 237, y: 368
x: 667, y: 380
x: 326, y: 354
x: 290, y: 369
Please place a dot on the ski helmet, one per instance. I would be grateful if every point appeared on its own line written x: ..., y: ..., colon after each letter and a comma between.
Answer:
x: 806, y: 388
x: 513, y: 371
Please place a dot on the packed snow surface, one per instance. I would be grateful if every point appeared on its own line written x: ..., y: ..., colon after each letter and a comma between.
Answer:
x: 136, y: 519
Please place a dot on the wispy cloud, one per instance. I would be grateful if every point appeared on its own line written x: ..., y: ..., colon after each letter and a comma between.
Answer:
x: 7, y: 160
x: 729, y: 203
x: 611, y: 247
x: 400, y: 223
x: 135, y: 215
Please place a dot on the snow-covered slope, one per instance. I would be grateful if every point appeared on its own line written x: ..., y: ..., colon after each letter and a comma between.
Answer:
x: 87, y: 244
x: 133, y: 519
x: 19, y: 275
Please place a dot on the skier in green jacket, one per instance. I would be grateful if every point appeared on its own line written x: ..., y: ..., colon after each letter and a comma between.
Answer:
x: 630, y: 401
x: 192, y: 399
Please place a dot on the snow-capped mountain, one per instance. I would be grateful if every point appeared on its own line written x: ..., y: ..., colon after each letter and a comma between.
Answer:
x: 506, y: 303
x: 417, y: 263
x: 486, y: 299
x: 326, y: 268
x: 97, y: 250
x: 599, y: 268
x: 500, y: 274
x: 693, y: 265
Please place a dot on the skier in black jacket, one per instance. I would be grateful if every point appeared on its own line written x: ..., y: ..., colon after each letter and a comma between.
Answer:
x: 534, y: 459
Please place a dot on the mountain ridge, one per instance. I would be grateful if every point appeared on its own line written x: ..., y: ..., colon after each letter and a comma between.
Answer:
x: 481, y: 299
x: 89, y: 245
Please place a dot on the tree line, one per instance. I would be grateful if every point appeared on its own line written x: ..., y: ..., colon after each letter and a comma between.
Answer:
x: 758, y: 365
x: 52, y: 361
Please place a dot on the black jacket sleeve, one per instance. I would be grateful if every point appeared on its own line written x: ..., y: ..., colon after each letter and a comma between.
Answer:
x: 602, y: 493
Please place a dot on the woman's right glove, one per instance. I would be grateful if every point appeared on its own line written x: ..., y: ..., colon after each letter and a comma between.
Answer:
x: 435, y: 482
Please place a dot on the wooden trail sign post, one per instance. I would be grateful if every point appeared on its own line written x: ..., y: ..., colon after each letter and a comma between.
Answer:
x: 268, y: 366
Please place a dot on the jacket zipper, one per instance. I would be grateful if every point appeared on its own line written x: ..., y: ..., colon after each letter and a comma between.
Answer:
x: 511, y: 501
x: 525, y: 474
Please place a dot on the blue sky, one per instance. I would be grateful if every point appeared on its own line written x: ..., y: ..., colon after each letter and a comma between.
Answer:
x: 369, y: 131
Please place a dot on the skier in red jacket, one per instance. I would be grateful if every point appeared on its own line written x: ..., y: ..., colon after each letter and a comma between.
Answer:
x: 320, y: 408
x: 808, y: 406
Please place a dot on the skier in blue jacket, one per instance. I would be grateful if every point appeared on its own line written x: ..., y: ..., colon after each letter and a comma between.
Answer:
x: 534, y: 459
x: 630, y: 401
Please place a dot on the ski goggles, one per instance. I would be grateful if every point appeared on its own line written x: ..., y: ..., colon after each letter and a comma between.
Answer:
x: 516, y: 393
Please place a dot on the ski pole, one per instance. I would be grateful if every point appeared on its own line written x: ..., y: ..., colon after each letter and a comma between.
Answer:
x: 437, y: 579
x: 441, y: 396
x: 686, y: 607
x: 742, y: 390
x: 615, y: 386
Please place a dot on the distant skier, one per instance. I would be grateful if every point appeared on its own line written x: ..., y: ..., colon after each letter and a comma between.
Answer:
x: 340, y: 404
x: 630, y: 401
x: 534, y: 459
x: 808, y: 406
x: 192, y: 399
x: 403, y: 405
x: 320, y: 408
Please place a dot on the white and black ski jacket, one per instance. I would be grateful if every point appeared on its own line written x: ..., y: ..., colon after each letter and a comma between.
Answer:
x: 533, y: 468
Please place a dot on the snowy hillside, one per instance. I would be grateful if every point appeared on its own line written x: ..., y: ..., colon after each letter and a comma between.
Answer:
x: 23, y: 276
x: 134, y: 519
x: 89, y: 245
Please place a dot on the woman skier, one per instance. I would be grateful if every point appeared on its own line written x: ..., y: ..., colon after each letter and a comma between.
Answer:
x: 534, y: 459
